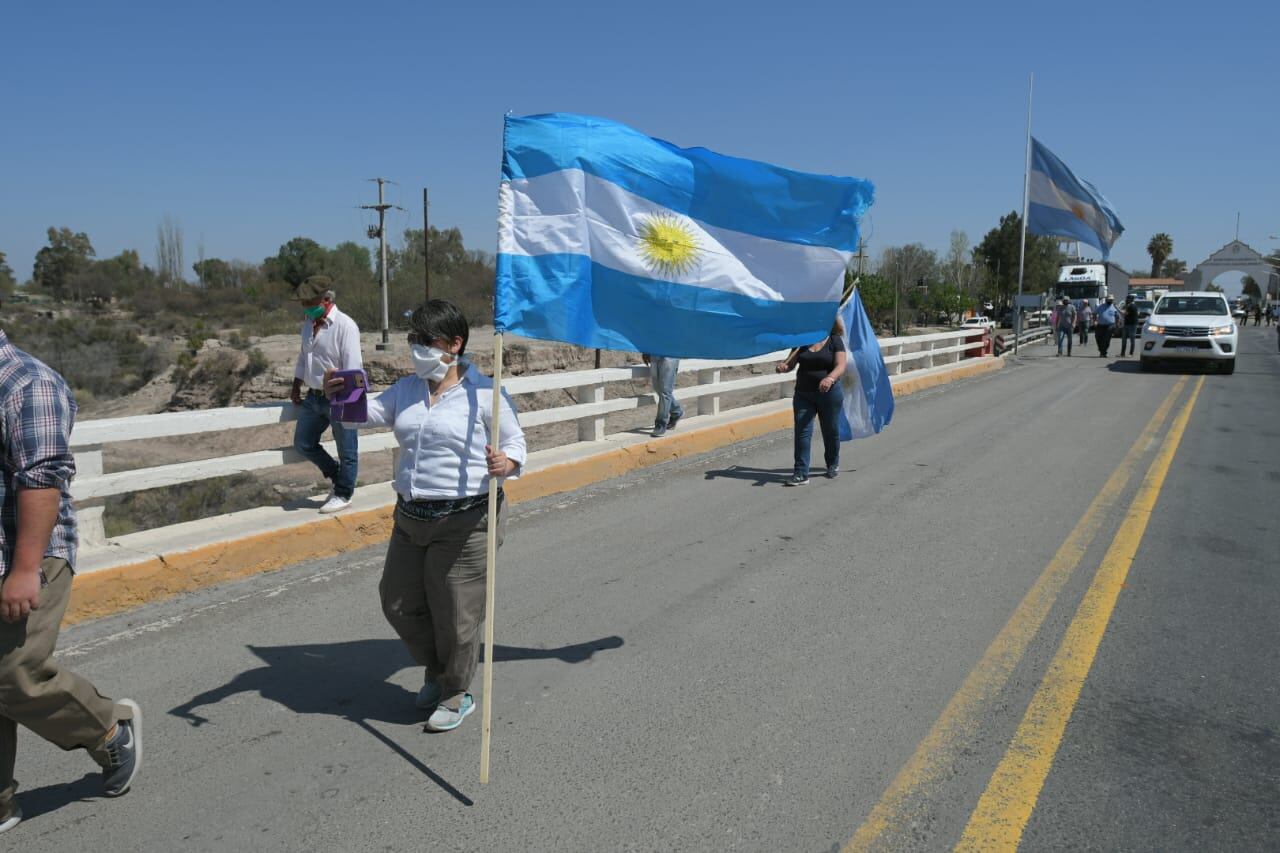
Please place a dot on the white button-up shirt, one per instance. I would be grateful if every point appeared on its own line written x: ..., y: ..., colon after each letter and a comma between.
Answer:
x: 336, y: 346
x: 442, y: 445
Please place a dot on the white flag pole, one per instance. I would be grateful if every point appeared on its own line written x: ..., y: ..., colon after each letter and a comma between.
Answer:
x: 490, y: 579
x: 1022, y: 248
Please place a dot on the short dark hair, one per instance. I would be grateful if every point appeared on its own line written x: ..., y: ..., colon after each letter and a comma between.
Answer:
x: 439, y: 318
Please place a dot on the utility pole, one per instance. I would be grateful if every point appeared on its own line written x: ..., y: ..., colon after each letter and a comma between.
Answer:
x: 380, y: 231
x: 426, y: 249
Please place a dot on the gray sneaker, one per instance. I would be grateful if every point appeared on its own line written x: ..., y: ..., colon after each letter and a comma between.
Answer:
x: 796, y: 480
x: 674, y: 419
x: 446, y: 719
x: 121, y: 756
x: 429, y: 696
x: 10, y: 816
x: 659, y: 430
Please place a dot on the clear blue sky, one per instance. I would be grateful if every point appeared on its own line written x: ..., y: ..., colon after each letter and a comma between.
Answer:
x: 255, y: 122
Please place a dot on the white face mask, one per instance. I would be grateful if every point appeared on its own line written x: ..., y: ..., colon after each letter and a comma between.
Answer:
x: 429, y: 362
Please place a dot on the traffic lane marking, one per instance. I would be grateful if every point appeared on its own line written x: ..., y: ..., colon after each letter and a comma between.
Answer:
x: 1006, y: 805
x: 959, y: 722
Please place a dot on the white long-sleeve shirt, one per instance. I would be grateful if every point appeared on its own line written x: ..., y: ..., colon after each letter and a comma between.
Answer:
x: 442, y: 445
x: 335, y: 347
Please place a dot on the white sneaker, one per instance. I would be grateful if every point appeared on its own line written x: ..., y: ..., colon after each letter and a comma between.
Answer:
x: 335, y: 504
x: 10, y: 817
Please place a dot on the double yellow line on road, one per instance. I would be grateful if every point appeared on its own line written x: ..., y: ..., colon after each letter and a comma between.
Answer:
x: 1006, y: 805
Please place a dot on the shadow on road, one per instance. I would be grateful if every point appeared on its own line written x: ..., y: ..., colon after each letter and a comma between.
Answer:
x: 757, y: 476
x: 350, y: 681
x: 50, y: 798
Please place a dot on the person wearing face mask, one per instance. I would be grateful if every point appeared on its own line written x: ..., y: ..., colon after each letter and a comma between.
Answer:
x: 330, y: 341
x: 433, y: 580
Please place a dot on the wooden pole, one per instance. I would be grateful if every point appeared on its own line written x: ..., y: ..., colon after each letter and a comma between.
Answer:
x: 486, y: 711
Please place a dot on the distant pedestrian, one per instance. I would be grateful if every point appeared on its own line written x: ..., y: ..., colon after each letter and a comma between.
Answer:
x: 1271, y: 313
x: 37, y: 557
x: 818, y: 394
x: 1064, y: 323
x: 1257, y: 315
x: 1084, y: 320
x: 433, y: 582
x: 1105, y: 325
x: 662, y: 372
x: 1129, y: 335
x: 330, y: 341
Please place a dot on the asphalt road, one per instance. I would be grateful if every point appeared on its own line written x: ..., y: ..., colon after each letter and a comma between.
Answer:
x: 696, y: 658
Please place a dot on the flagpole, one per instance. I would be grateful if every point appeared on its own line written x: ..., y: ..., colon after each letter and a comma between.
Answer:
x: 1022, y: 247
x: 490, y: 572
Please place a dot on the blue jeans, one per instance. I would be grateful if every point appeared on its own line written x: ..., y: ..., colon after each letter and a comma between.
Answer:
x: 1064, y: 334
x: 663, y: 372
x: 313, y: 420
x: 826, y: 406
x: 1129, y: 336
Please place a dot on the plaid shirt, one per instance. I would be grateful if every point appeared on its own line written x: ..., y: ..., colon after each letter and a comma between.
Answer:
x: 36, y: 415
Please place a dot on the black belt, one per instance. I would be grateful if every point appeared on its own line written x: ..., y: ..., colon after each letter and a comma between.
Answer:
x: 431, y: 510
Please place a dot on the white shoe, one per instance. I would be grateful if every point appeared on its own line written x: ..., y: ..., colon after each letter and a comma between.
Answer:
x: 12, y: 817
x: 335, y: 504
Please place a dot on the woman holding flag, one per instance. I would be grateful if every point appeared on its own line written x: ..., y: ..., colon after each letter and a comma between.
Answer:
x: 433, y: 581
x: 818, y: 393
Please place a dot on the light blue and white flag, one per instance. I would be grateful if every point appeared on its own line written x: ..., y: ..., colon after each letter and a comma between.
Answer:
x: 608, y: 238
x: 1060, y: 204
x: 868, y: 394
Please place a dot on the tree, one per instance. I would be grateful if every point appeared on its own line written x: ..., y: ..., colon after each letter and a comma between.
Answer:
x: 298, y: 259
x: 1249, y: 287
x: 67, y: 254
x: 1173, y: 268
x: 121, y: 276
x: 214, y: 273
x: 998, y: 254
x: 904, y: 267
x: 169, y: 251
x: 1159, y: 247
x: 7, y: 281
x: 1213, y: 288
x: 960, y: 272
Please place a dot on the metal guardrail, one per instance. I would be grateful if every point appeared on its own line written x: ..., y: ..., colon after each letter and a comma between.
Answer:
x: 901, y: 355
x: 1004, y: 344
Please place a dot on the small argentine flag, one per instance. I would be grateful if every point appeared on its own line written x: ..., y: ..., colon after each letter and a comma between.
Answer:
x: 1060, y: 204
x: 608, y: 238
x: 868, y: 394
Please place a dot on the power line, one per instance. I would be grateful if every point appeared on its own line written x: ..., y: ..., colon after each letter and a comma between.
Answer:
x: 380, y: 231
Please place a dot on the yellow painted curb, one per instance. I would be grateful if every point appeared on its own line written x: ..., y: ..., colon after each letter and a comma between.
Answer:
x: 125, y: 587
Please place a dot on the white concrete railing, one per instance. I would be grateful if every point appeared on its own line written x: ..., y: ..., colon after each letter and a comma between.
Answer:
x: 89, y: 437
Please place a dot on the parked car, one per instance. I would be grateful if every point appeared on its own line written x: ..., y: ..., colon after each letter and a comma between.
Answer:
x: 978, y: 323
x: 1194, y: 326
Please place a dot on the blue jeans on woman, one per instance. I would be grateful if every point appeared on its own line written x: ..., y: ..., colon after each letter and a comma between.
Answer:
x: 313, y: 420
x: 826, y: 406
x: 1064, y: 334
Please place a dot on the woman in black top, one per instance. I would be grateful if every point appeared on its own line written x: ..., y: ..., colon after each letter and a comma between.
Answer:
x: 818, y: 392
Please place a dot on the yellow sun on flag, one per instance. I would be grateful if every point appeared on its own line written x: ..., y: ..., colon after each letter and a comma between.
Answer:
x: 668, y: 244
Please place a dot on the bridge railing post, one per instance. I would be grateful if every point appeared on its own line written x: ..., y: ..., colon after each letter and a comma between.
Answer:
x: 591, y: 428
x: 89, y: 523
x: 709, y: 404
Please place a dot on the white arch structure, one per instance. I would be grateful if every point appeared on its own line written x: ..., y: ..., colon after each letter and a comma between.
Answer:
x: 1239, y: 257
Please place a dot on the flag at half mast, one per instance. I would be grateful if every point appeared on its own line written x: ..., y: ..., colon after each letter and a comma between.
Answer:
x: 609, y: 238
x: 1061, y: 205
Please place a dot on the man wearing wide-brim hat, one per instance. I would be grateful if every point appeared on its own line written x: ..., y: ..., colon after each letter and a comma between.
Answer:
x: 330, y: 341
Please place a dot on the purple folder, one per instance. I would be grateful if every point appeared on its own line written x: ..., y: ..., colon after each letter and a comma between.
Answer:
x: 351, y: 405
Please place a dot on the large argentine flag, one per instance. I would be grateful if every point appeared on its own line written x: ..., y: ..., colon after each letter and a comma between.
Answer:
x: 1060, y: 204
x: 608, y: 238
x: 868, y: 395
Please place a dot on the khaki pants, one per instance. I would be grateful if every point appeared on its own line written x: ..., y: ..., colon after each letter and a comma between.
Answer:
x: 432, y: 591
x: 55, y: 703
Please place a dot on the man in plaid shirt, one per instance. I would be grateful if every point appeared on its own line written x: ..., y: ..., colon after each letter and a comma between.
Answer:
x: 37, y: 553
